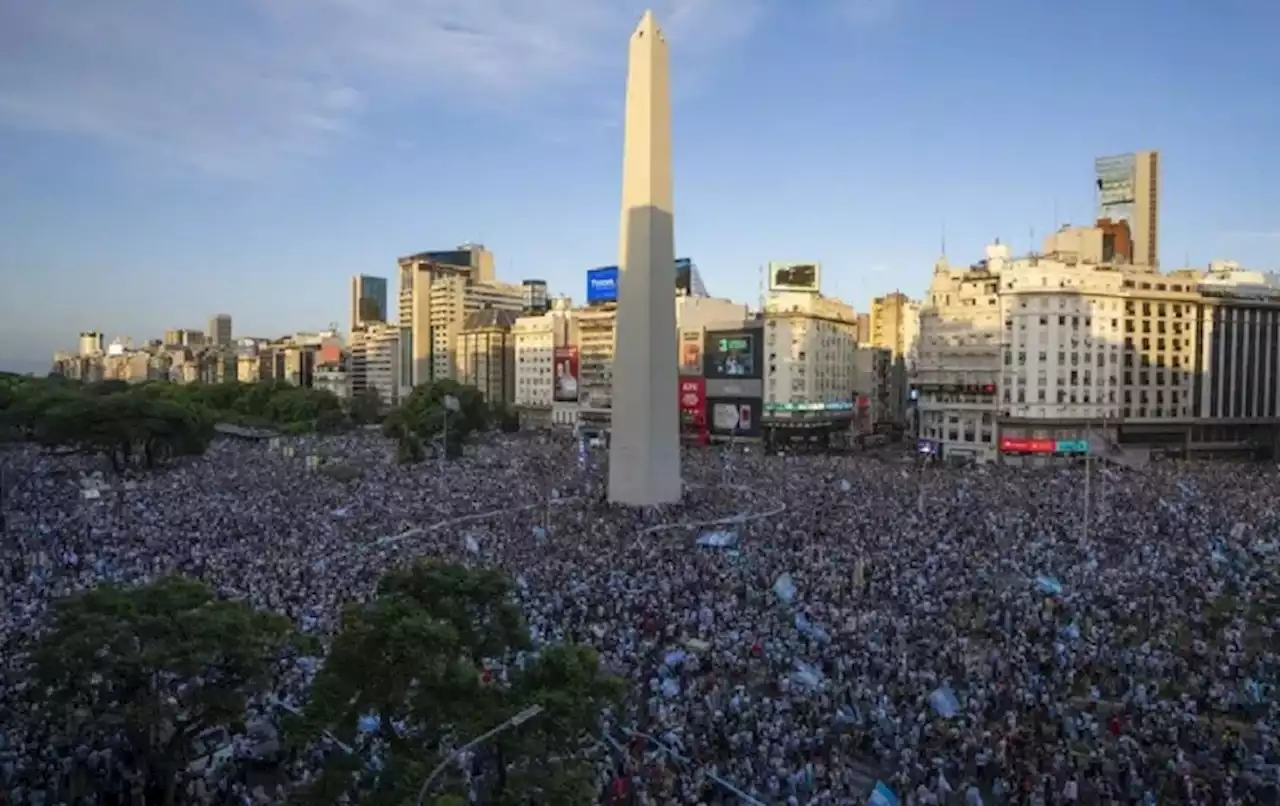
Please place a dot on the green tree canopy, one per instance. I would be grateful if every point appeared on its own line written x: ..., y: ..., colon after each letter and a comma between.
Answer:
x: 159, y: 665
x: 424, y: 418
x: 122, y: 422
x: 439, y: 657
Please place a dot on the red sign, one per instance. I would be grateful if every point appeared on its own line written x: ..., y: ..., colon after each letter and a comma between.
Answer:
x: 566, y: 375
x: 1024, y: 445
x: 693, y: 400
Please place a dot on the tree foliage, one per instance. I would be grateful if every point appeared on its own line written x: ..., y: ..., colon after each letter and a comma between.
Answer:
x: 439, y: 657
x: 150, y: 422
x: 123, y: 423
x: 424, y: 418
x: 157, y: 665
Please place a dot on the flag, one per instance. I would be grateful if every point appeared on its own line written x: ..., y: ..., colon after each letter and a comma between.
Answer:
x: 882, y: 795
x: 451, y: 403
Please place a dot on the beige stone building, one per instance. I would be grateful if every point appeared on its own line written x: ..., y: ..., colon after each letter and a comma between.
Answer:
x: 485, y: 355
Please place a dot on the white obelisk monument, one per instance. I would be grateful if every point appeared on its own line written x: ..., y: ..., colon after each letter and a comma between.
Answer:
x: 644, y: 449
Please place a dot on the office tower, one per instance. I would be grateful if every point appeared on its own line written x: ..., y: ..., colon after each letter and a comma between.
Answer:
x: 220, y: 329
x: 1129, y: 191
x: 368, y: 300
x: 437, y: 291
x: 644, y: 451
x: 535, y: 296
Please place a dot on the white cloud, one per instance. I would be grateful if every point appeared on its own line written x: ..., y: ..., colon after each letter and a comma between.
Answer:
x: 233, y: 85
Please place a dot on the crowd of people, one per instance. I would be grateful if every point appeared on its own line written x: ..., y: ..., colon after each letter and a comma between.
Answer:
x: 958, y: 635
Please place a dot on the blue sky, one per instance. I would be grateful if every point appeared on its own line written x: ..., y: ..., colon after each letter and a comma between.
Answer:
x: 163, y: 161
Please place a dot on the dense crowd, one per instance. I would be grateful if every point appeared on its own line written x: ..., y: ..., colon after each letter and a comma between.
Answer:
x: 958, y: 634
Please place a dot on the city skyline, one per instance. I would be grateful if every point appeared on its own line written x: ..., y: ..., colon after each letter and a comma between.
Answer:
x: 888, y: 101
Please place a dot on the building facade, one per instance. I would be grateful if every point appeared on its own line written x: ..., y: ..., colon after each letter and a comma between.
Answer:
x: 220, y: 330
x: 485, y: 355
x: 809, y: 371
x: 374, y: 364
x: 537, y: 338
x: 367, y: 301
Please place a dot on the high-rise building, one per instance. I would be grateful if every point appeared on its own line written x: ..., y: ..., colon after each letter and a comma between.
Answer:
x: 375, y: 363
x: 535, y: 296
x: 368, y: 300
x: 895, y: 326
x: 485, y: 355
x: 644, y: 448
x: 1129, y: 191
x: 809, y: 369
x: 537, y: 338
x: 220, y: 330
x: 91, y: 343
x: 437, y: 291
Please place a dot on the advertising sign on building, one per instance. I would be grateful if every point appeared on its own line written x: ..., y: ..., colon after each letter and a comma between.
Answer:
x: 691, y: 355
x: 794, y: 276
x: 1116, y: 178
x: 566, y: 375
x: 693, y: 400
x: 734, y: 416
x: 602, y: 285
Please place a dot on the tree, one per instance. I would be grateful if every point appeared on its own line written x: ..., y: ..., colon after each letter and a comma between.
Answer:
x: 440, y: 656
x: 365, y: 407
x: 157, y: 665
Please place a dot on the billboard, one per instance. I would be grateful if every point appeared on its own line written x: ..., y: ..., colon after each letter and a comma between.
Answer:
x: 731, y: 354
x: 1064, y: 447
x: 691, y: 355
x: 602, y: 285
x: 693, y: 400
x: 734, y: 416
x: 1116, y: 179
x: 794, y: 276
x: 566, y: 375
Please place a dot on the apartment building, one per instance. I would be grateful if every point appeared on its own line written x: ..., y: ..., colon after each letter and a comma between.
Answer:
x: 92, y: 343
x: 536, y: 339
x: 809, y: 355
x: 438, y: 290
x: 220, y: 330
x: 895, y: 326
x: 485, y: 355
x: 959, y: 356
x: 374, y: 363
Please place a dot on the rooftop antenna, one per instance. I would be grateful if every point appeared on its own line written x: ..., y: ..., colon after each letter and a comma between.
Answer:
x: 944, y: 239
x: 1056, y: 222
x: 760, y: 300
x: 1031, y: 233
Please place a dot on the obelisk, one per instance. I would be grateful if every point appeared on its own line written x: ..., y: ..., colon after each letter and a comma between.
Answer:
x: 644, y: 448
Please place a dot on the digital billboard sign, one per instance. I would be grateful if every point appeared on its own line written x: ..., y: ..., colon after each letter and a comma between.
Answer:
x: 731, y: 355
x: 794, y: 276
x: 602, y: 285
x: 1063, y: 447
x: 566, y: 375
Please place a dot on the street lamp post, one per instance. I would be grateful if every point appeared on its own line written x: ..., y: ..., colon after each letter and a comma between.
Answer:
x: 515, y: 721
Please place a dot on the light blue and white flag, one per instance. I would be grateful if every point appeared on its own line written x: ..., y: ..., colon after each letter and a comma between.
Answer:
x: 944, y: 703
x: 1048, y: 585
x: 785, y: 588
x: 882, y: 795
x: 472, y: 545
